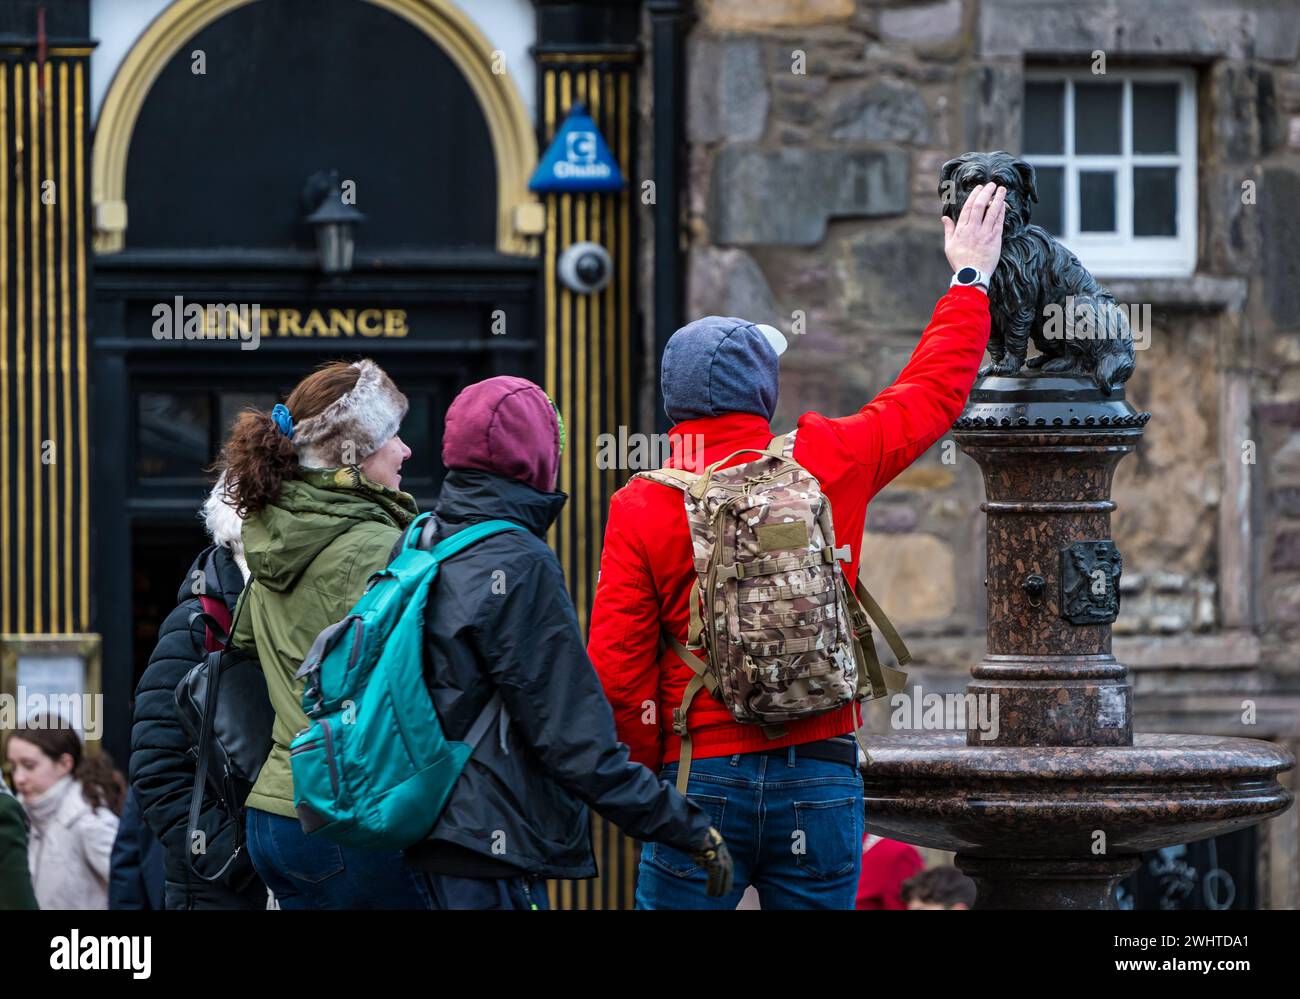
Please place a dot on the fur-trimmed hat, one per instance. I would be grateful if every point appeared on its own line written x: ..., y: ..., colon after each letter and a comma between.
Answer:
x: 368, y: 415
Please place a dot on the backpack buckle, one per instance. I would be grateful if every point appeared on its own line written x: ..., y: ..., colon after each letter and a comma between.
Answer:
x: 679, y: 722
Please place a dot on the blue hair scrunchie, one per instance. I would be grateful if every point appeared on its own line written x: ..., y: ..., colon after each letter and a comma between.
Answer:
x: 280, y: 414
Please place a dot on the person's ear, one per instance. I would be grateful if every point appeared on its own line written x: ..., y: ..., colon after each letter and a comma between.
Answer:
x: 64, y: 764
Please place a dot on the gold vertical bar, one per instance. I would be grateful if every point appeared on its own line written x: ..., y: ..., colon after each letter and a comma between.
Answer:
x: 625, y: 262
x: 581, y: 433
x: 548, y: 275
x: 595, y: 514
x: 6, y: 588
x: 20, y: 343
x: 65, y: 336
x: 630, y: 860
x: 566, y: 353
x: 83, y: 419
x: 38, y: 509
x: 597, y: 842
x: 611, y: 321
x: 51, y: 367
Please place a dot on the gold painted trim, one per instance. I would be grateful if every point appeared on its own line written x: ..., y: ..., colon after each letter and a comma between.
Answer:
x: 47, y: 471
x: 576, y: 58
x: 6, y: 587
x: 65, y: 195
x: 625, y: 307
x: 509, y: 126
x: 61, y: 50
x: 20, y: 350
x: 548, y: 274
x: 581, y: 432
x: 34, y: 428
x: 83, y: 415
x: 86, y: 647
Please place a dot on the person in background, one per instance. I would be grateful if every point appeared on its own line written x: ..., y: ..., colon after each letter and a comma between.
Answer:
x: 73, y: 800
x: 15, y: 877
x: 136, y: 869
x: 886, y: 864
x: 939, y: 888
x: 162, y: 769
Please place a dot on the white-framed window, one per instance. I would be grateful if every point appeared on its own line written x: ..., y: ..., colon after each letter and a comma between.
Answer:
x: 1115, y: 158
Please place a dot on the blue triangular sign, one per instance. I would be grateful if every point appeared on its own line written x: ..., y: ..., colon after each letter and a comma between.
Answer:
x: 578, y: 159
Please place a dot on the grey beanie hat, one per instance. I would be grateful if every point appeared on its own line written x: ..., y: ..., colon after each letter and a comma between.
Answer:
x: 721, y: 364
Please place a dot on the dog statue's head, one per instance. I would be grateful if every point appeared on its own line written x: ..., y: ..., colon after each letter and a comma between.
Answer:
x: 968, y: 171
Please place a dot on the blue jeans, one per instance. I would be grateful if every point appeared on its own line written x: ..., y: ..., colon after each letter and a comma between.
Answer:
x: 310, y: 872
x: 793, y: 827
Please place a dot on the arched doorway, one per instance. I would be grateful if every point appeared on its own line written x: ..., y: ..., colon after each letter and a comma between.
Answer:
x: 207, y: 140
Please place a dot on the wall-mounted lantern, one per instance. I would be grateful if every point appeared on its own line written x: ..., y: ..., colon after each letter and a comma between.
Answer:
x: 332, y: 220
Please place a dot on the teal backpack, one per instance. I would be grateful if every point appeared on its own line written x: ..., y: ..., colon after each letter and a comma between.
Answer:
x: 374, y: 769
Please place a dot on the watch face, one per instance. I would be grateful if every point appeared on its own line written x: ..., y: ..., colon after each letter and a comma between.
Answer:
x: 967, y: 274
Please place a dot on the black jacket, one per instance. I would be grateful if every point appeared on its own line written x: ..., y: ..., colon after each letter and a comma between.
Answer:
x: 499, y: 618
x: 137, y: 868
x: 162, y: 769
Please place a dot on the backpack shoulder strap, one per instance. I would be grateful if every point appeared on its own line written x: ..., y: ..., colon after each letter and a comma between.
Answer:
x: 462, y: 539
x: 886, y: 626
x: 674, y: 478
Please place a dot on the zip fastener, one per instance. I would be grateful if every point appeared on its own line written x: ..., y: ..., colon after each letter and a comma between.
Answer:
x: 329, y: 756
x: 305, y: 746
x: 357, y: 642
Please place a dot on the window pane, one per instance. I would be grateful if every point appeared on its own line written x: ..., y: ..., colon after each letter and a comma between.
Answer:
x: 171, y: 435
x: 1096, y: 118
x: 1044, y: 121
x: 1155, y: 121
x: 1096, y: 201
x: 1155, y: 201
x: 1047, y: 213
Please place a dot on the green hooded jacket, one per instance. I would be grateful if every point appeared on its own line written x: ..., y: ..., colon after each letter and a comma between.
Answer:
x: 310, y: 554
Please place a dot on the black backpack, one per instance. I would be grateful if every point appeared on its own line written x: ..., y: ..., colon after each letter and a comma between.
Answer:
x: 225, y: 709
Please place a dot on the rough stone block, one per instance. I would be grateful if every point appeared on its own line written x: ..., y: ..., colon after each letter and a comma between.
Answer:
x: 726, y: 90
x: 764, y: 196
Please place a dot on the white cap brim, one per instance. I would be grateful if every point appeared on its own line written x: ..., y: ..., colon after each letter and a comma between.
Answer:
x: 775, y: 337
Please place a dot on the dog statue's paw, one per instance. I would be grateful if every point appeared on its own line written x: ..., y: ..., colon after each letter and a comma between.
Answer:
x: 1002, y: 366
x: 1065, y: 366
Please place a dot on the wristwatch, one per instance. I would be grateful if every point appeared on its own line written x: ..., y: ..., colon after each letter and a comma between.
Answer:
x: 968, y: 276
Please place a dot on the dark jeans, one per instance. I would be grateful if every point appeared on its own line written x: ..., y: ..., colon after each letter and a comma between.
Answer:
x: 447, y: 891
x: 310, y: 872
x: 793, y: 827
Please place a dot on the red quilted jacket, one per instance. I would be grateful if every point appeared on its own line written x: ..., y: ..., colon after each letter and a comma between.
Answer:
x: 646, y: 569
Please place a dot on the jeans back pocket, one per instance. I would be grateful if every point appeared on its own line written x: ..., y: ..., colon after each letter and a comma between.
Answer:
x: 679, y: 864
x: 831, y: 840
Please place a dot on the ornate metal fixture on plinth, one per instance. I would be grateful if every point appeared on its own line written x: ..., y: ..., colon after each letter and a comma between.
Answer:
x: 1051, y: 806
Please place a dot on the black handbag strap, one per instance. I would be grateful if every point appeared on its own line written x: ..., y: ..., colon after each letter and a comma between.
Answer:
x: 205, y: 739
x: 201, y: 772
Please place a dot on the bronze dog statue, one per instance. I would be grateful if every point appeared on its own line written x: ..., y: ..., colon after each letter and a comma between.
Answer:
x: 1039, y: 290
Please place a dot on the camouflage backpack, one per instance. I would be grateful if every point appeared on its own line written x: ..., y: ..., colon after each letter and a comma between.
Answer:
x: 781, y: 634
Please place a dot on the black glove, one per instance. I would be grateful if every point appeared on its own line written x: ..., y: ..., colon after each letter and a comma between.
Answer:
x: 715, y: 858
